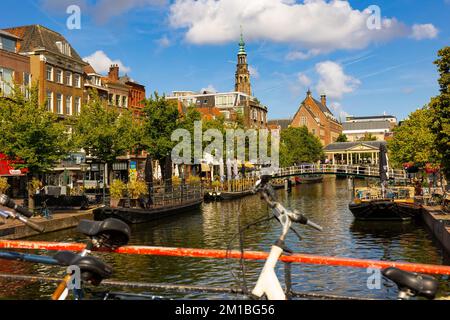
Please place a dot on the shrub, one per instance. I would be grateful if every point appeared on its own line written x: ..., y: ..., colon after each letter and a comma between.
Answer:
x: 3, y: 185
x: 176, y: 181
x: 194, y: 180
x: 117, y: 188
x: 137, y: 188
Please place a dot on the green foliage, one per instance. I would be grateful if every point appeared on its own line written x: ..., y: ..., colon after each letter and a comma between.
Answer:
x: 104, y: 132
x: 117, y: 189
x: 440, y: 110
x: 342, y: 138
x: 161, y: 118
x: 368, y: 137
x: 137, y: 188
x: 30, y: 133
x: 297, y: 145
x: 413, y: 140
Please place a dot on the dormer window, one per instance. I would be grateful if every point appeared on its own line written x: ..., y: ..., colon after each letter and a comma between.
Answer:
x: 64, y: 48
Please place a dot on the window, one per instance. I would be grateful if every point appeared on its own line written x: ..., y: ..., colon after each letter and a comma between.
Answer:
x: 303, y: 121
x: 69, y: 105
x: 117, y: 100
x: 49, y: 73
x: 69, y: 78
x: 77, y: 105
x: 6, y: 81
x: 77, y: 80
x: 64, y: 48
x: 110, y: 98
x: 124, y: 101
x: 7, y: 44
x: 49, y: 101
x: 59, y: 103
x: 59, y: 76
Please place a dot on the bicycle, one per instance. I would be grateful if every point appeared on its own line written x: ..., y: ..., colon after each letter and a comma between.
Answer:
x: 110, y: 234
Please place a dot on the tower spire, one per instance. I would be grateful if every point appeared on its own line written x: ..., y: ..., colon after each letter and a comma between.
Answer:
x: 242, y: 44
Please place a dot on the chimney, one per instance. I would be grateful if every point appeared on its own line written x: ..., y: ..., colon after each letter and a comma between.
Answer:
x: 114, y: 72
x: 323, y: 99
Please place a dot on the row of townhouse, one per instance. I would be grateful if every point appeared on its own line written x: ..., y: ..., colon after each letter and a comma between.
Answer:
x: 35, y: 55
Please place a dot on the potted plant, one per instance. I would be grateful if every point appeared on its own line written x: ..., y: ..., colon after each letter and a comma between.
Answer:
x: 216, y: 185
x: 117, y: 188
x: 3, y: 184
x: 136, y: 189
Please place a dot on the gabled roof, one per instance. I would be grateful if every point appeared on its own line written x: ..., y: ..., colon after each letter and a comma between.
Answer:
x: 342, y: 146
x: 9, y: 35
x: 89, y: 69
x: 283, y: 123
x: 39, y: 37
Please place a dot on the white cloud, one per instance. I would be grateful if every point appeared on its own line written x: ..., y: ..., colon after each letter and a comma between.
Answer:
x: 101, y: 62
x: 424, y: 31
x: 338, y: 110
x: 209, y: 88
x: 303, y: 79
x: 311, y: 25
x: 163, y: 42
x: 333, y: 81
x: 253, y: 72
x: 299, y: 55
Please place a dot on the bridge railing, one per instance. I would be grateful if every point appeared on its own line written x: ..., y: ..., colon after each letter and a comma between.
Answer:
x: 353, y: 170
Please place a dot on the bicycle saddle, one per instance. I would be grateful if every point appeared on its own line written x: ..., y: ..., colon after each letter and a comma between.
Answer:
x: 111, y: 233
x: 420, y: 285
x: 92, y: 269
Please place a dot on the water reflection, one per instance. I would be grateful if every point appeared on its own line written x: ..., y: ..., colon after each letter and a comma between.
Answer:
x: 215, y: 224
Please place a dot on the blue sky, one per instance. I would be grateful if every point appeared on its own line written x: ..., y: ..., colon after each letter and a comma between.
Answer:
x: 292, y: 46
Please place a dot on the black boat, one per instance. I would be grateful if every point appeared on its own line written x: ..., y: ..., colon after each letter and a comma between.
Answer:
x: 309, y: 178
x: 135, y: 215
x: 226, y: 195
x: 384, y: 209
x: 383, y: 203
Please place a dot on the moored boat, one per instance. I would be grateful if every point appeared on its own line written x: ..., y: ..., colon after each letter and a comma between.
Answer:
x: 310, y: 178
x: 383, y: 202
x: 136, y: 215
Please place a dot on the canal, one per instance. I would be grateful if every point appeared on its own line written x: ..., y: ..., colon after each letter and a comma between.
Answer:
x: 214, y: 226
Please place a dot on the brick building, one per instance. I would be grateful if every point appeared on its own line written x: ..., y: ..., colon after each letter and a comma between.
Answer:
x: 14, y: 67
x: 136, y: 95
x: 319, y: 120
x: 55, y: 67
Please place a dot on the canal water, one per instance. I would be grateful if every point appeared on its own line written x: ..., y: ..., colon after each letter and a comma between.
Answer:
x: 216, y: 224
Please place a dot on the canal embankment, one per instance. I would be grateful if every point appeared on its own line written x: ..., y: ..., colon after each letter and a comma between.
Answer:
x: 12, y: 229
x: 439, y: 224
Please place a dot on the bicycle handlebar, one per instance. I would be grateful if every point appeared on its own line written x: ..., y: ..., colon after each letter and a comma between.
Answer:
x: 21, y: 213
x: 24, y: 220
x: 268, y: 194
x: 8, y: 202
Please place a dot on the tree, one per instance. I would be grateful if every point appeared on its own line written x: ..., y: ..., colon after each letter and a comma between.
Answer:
x: 161, y: 118
x: 440, y: 110
x: 414, y: 140
x: 342, y: 138
x: 32, y: 134
x: 297, y: 145
x: 104, y: 132
x: 368, y: 137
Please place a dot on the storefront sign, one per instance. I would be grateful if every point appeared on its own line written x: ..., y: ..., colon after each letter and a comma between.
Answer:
x: 133, y: 171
